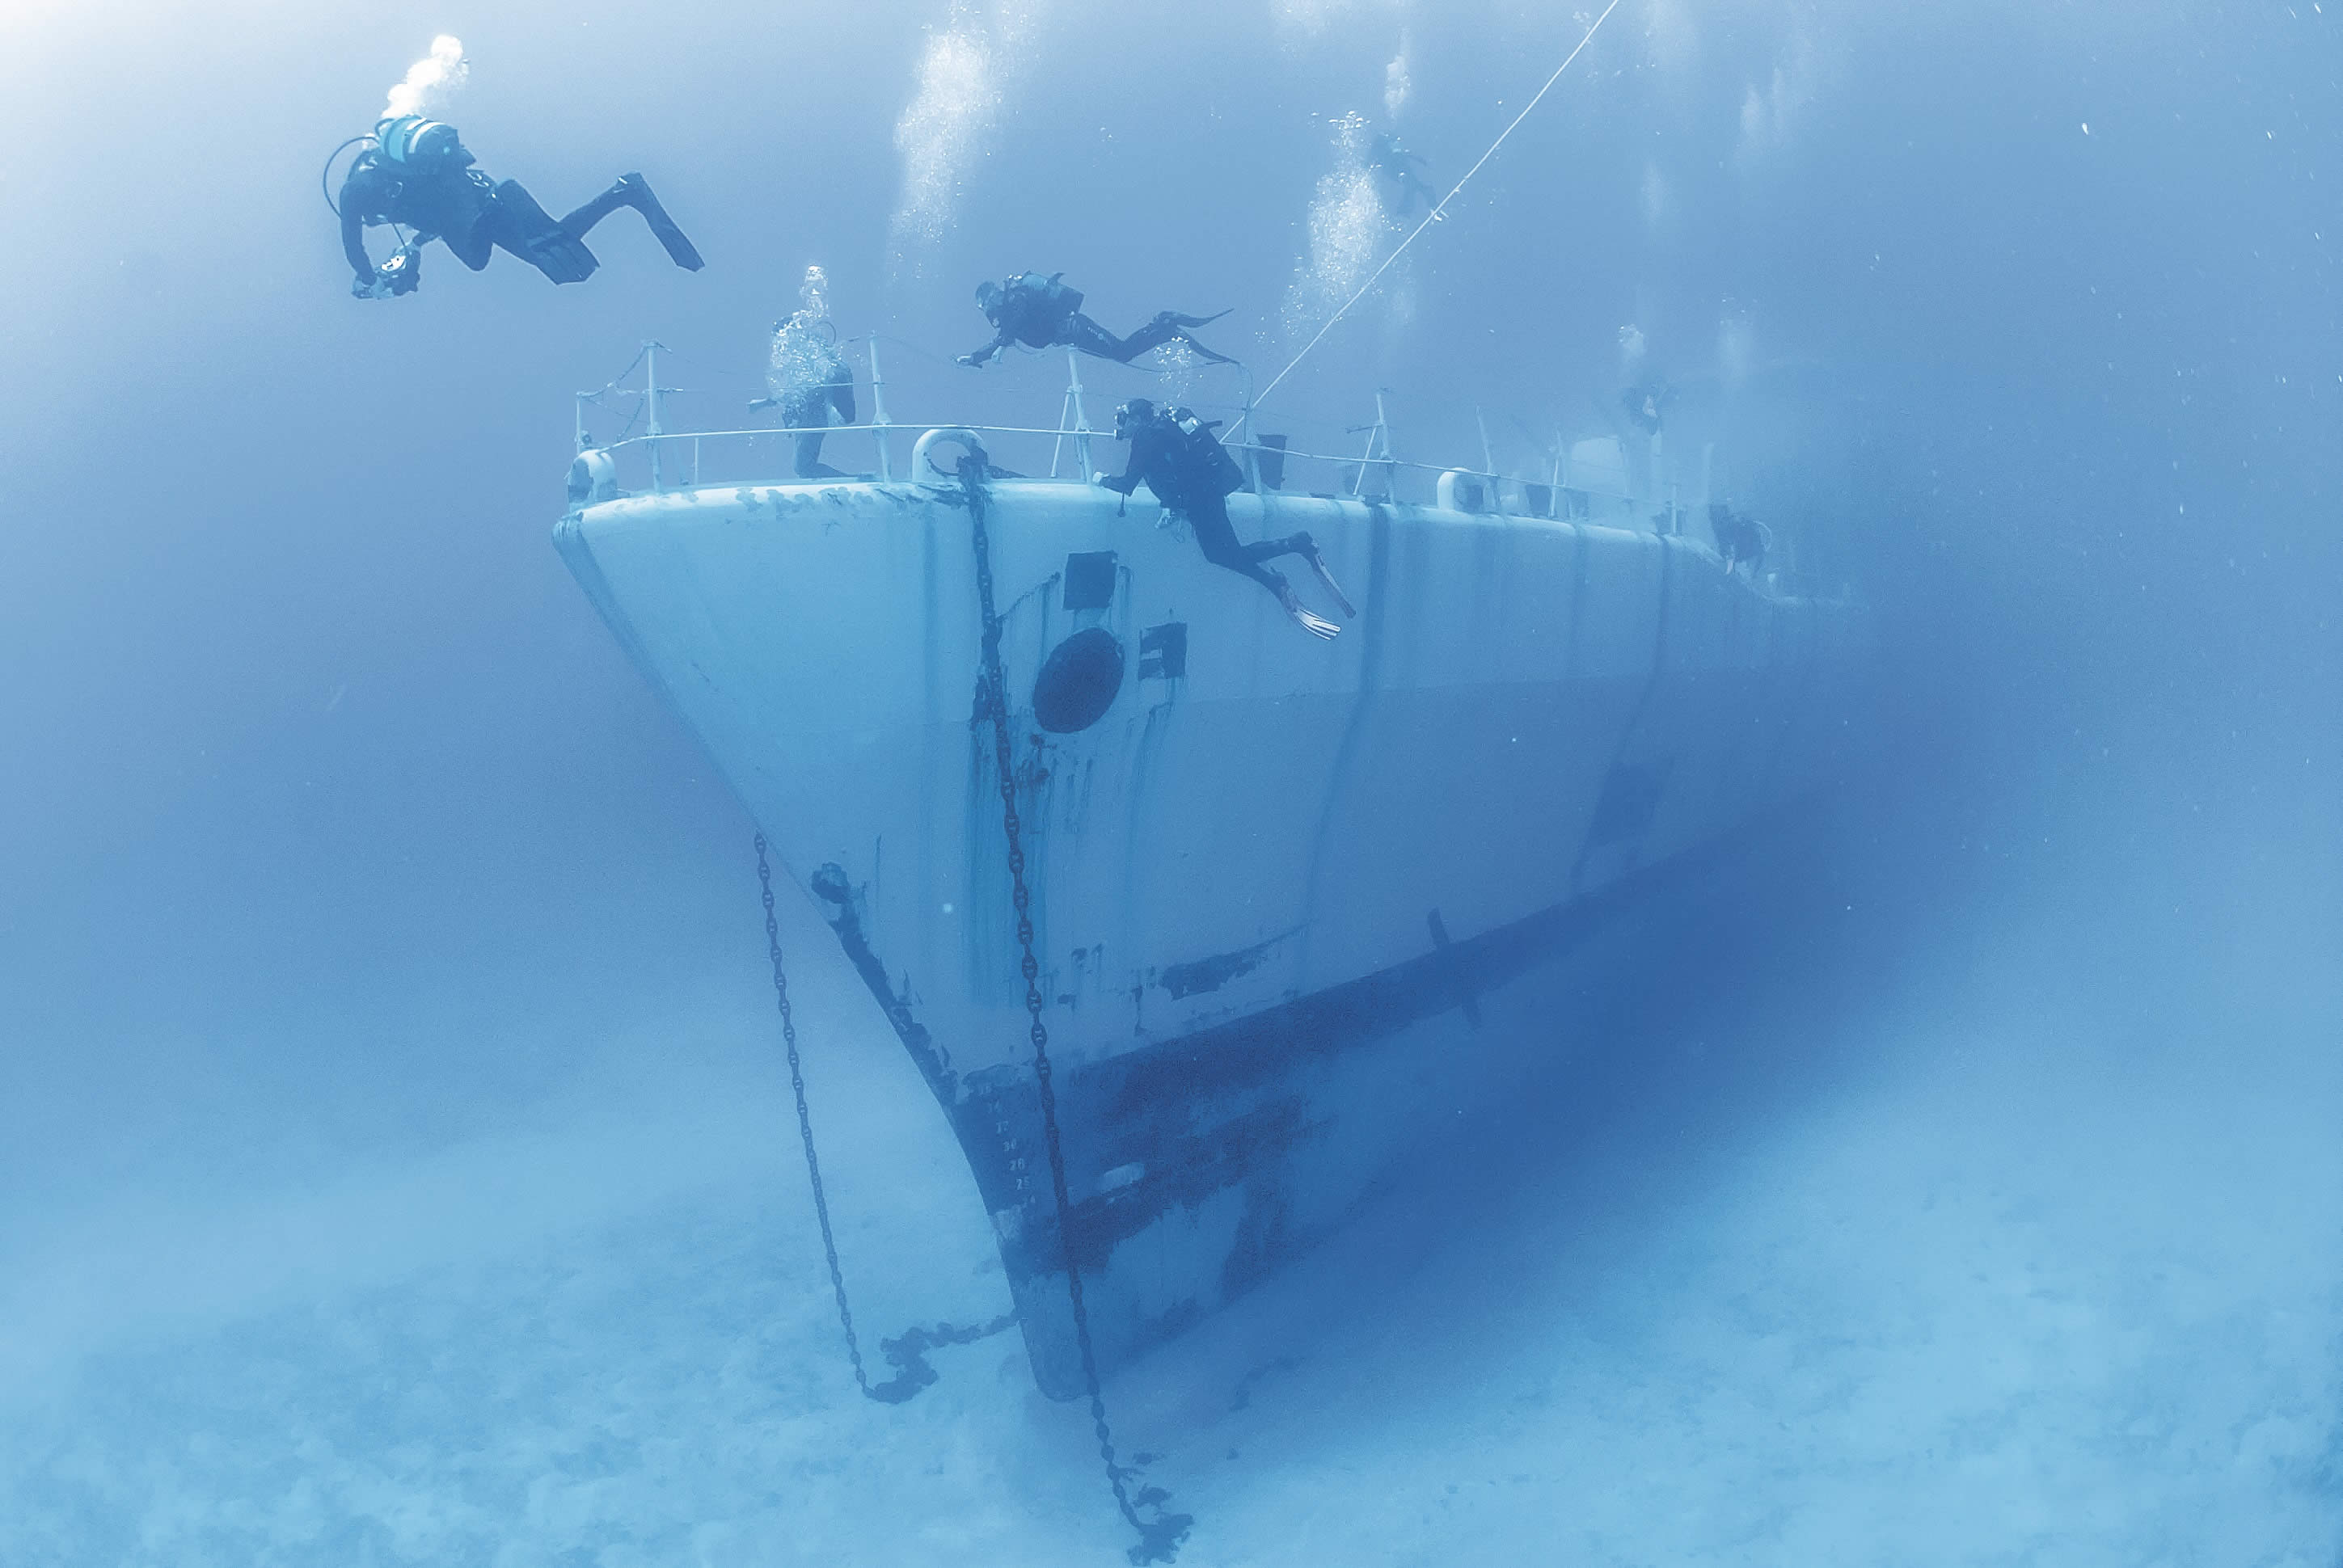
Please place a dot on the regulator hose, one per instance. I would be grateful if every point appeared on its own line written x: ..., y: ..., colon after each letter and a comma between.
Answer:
x: 325, y: 175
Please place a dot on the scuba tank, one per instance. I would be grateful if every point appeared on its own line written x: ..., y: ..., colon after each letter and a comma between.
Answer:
x: 1207, y: 462
x: 403, y: 143
x: 1048, y: 295
x: 407, y: 140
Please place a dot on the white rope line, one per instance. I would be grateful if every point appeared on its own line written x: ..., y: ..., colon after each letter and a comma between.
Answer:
x: 1437, y: 213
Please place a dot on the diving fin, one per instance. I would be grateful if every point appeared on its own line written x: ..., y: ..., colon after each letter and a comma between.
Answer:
x: 1176, y: 319
x: 546, y: 246
x: 1199, y: 350
x: 1315, y: 625
x: 680, y: 250
x: 1317, y: 560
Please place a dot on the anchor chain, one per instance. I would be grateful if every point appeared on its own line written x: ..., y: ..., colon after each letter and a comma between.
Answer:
x: 1159, y: 1538
x: 907, y: 1353
x: 805, y: 1119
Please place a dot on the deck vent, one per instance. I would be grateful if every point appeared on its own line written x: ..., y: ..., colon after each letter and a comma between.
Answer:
x: 1078, y: 682
x: 1090, y: 579
x: 1163, y: 651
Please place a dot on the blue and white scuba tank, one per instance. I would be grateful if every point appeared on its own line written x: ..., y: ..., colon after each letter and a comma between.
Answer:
x: 406, y: 140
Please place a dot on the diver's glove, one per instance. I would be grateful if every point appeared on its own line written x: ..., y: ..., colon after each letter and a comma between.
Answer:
x: 970, y: 360
x: 363, y: 286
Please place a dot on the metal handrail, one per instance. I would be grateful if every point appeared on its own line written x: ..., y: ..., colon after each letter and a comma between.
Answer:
x: 1073, y: 423
x: 1348, y: 459
x: 826, y: 430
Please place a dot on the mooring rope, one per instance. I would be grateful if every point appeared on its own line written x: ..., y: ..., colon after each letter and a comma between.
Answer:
x: 1441, y: 210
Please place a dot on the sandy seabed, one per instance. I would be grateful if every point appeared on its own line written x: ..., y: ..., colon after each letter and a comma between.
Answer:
x: 1945, y: 1312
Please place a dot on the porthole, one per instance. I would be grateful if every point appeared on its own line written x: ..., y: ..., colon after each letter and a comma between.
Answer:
x: 1077, y: 682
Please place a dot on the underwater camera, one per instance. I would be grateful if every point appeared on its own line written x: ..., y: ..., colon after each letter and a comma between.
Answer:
x: 399, y: 274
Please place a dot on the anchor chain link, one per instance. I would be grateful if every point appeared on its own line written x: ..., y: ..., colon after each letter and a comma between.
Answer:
x: 1159, y: 1538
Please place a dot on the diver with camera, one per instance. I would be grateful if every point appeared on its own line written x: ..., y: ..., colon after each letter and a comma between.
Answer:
x: 415, y: 173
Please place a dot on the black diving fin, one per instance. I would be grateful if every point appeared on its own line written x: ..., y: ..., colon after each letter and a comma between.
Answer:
x: 680, y: 250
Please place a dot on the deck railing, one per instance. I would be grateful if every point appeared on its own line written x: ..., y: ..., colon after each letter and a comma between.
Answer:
x: 657, y: 459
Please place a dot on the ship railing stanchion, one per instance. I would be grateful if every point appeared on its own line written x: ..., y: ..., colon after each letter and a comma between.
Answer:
x: 1561, y: 466
x: 1081, y: 419
x: 1391, y: 463
x: 1073, y: 420
x: 1245, y: 435
x: 1488, y: 464
x: 1378, y: 436
x: 1668, y: 475
x: 1658, y: 455
x: 651, y: 401
x: 878, y: 420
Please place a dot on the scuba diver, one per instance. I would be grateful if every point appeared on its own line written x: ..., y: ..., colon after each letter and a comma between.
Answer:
x: 807, y: 377
x: 1647, y: 405
x: 417, y: 174
x: 1180, y: 459
x: 1739, y: 537
x: 1043, y: 313
x: 1396, y: 164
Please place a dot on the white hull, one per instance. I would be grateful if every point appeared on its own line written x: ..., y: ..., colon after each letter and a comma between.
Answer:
x: 1272, y: 879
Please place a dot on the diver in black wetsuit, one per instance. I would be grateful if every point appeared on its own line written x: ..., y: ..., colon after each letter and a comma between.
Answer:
x: 419, y: 174
x: 1396, y: 164
x: 1177, y: 457
x: 1740, y: 538
x: 1647, y: 405
x: 1043, y: 313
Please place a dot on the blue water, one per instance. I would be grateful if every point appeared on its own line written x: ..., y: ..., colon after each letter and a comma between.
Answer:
x: 393, y: 1165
